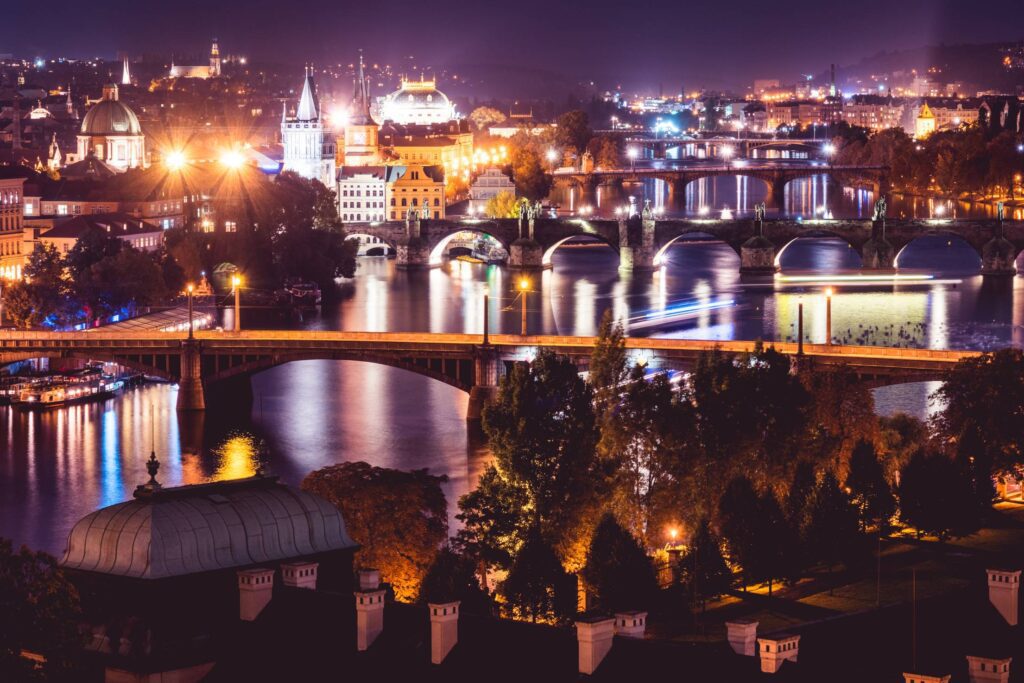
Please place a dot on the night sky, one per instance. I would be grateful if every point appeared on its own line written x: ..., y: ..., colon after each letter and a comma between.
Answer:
x: 720, y: 43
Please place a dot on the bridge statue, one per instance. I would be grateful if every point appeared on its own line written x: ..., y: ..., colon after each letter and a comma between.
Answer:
x: 880, y: 208
x: 1000, y: 211
x: 759, y: 210
x: 648, y: 212
x: 426, y: 210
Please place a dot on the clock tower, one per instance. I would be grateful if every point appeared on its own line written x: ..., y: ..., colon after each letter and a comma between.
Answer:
x: 361, y: 131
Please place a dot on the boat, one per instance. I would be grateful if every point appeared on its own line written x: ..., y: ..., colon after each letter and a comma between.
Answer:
x: 302, y: 293
x: 59, y: 391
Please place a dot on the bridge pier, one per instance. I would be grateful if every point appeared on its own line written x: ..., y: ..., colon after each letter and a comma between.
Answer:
x: 877, y: 253
x: 526, y: 253
x: 191, y: 395
x: 412, y: 251
x: 757, y: 254
x: 999, y: 256
x: 636, y: 243
x: 487, y: 372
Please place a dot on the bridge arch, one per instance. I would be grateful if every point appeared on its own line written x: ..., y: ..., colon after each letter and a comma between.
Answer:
x: 951, y: 238
x: 460, y: 380
x: 437, y: 251
x: 549, y: 251
x: 690, y: 235
x: 812, y: 233
x: 368, y: 243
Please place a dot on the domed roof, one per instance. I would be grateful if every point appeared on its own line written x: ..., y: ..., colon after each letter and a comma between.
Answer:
x: 417, y: 101
x: 414, y: 94
x: 110, y: 116
x: 205, y: 527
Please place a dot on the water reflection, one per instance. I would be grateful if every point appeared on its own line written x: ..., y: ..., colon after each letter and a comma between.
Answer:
x: 57, y: 466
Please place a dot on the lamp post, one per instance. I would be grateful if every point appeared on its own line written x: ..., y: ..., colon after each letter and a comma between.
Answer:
x: 189, y: 289
x: 487, y: 296
x: 524, y: 288
x: 236, y: 284
x: 632, y: 154
x: 828, y: 316
x: 800, y: 329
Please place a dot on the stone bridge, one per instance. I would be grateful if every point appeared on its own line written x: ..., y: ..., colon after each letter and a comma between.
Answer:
x: 724, y: 147
x: 641, y: 241
x: 213, y: 362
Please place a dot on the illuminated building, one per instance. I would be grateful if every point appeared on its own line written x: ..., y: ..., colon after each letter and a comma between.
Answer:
x: 417, y: 103
x: 948, y: 114
x: 802, y: 113
x: 925, y: 124
x: 12, y: 181
x: 306, y: 151
x: 360, y: 141
x: 361, y: 193
x: 489, y: 184
x: 413, y: 187
x: 204, y: 71
x: 126, y: 76
x: 874, y: 112
x: 111, y: 133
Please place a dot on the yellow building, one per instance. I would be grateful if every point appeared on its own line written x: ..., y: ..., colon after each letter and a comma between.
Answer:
x: 414, y: 186
x: 925, y: 125
x: 11, y: 221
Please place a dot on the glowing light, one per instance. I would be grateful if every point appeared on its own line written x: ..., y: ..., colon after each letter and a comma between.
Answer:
x: 236, y: 281
x: 829, y: 149
x: 189, y: 288
x: 828, y: 292
x: 339, y: 116
x: 852, y: 279
x: 728, y: 151
x: 726, y: 214
x: 552, y: 156
x: 940, y: 210
x: 632, y: 153
x: 232, y: 158
x: 175, y: 160
x: 524, y: 285
x: 673, y: 533
x: 704, y: 210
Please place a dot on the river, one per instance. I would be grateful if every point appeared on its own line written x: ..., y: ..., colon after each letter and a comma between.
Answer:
x: 59, y: 465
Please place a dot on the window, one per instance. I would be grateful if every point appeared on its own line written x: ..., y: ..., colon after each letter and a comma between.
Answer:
x: 230, y: 226
x: 404, y: 203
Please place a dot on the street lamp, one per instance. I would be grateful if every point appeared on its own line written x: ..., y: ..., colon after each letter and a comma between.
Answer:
x: 175, y: 160
x: 524, y: 288
x: 487, y: 297
x: 632, y: 153
x: 236, y: 284
x: 232, y: 158
x: 190, y: 288
x: 552, y: 156
x: 828, y: 316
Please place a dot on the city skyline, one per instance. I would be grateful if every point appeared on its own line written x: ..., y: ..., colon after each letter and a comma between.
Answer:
x: 699, y: 46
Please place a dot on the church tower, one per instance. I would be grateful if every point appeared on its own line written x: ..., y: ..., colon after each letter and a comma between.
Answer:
x: 126, y: 76
x: 214, y: 60
x: 306, y: 149
x: 361, y: 131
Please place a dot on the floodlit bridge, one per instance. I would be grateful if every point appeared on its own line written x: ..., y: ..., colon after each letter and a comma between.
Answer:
x: 774, y: 174
x: 642, y: 241
x: 728, y: 147
x: 213, y: 362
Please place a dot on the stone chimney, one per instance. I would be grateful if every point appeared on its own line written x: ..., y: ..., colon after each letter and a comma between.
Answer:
x: 925, y: 678
x: 444, y: 629
x: 776, y: 650
x: 742, y: 635
x: 255, y: 588
x: 1004, y: 592
x: 300, y: 574
x: 987, y: 670
x: 369, y: 609
x: 594, y: 635
x: 631, y: 624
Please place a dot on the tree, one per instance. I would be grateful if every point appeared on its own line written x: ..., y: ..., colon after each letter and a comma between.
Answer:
x: 832, y: 529
x: 537, y: 587
x: 527, y: 172
x: 400, y: 519
x: 485, y: 117
x: 738, y: 511
x: 494, y: 524
x: 608, y: 359
x: 900, y: 437
x: 572, y: 130
x: 841, y: 413
x: 126, y: 279
x: 605, y: 150
x: 502, y: 205
x: 704, y: 565
x: 452, y: 577
x: 869, y: 488
x: 40, y: 614
x: 982, y: 416
x: 541, y: 428
x: 618, y: 570
x: 43, y: 298
x: 936, y: 498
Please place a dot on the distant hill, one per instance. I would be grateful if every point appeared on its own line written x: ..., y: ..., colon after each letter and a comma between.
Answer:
x: 978, y: 64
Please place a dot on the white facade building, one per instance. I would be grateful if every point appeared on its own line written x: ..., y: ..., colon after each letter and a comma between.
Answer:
x: 309, y: 150
x: 361, y: 193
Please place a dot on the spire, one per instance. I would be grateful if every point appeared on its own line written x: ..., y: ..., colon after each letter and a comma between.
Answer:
x: 309, y: 108
x: 361, y: 98
x: 126, y: 77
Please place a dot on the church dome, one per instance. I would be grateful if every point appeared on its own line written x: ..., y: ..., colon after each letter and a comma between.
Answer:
x: 205, y: 527
x: 418, y: 102
x: 110, y: 116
